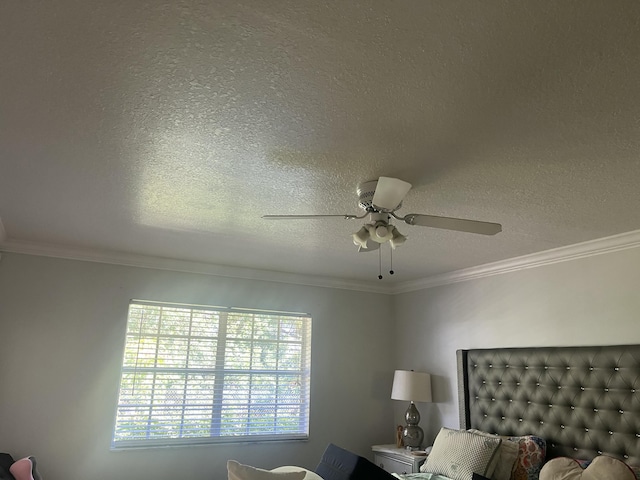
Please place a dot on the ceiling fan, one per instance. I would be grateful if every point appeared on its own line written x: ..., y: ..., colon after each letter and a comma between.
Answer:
x: 380, y: 199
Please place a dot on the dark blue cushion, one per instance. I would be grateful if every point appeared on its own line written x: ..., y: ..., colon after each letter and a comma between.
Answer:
x: 340, y: 464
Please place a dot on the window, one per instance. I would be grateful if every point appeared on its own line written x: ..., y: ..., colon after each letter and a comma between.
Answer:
x: 194, y: 374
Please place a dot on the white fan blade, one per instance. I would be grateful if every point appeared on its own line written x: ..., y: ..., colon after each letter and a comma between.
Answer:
x: 389, y: 193
x: 294, y: 217
x: 371, y: 247
x: 448, y: 223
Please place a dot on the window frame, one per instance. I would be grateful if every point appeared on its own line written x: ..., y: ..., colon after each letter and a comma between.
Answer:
x: 218, y: 374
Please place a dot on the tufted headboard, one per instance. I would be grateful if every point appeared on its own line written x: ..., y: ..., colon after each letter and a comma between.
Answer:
x: 583, y: 401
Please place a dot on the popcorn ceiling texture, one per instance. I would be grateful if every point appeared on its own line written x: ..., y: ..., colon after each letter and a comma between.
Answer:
x: 169, y: 128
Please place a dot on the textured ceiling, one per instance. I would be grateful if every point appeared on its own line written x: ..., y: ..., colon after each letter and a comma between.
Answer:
x: 168, y: 128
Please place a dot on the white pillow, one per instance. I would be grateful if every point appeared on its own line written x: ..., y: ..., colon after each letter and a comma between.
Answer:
x: 237, y: 471
x: 459, y: 454
x: 507, y: 455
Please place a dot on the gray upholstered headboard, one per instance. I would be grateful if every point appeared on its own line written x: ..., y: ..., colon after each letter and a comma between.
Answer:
x: 583, y: 401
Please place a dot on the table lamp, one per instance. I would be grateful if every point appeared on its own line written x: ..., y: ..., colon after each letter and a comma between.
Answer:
x: 413, y: 387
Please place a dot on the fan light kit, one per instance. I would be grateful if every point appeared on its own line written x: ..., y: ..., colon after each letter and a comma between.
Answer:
x: 380, y: 199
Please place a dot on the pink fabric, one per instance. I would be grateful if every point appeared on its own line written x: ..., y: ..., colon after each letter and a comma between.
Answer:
x: 22, y: 469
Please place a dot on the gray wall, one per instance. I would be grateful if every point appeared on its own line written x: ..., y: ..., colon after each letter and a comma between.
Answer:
x: 63, y: 325
x: 590, y: 301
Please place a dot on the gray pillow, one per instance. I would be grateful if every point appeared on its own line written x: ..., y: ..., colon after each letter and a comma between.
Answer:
x: 507, y: 455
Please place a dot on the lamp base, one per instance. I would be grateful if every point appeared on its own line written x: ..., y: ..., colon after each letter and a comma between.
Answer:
x: 412, y: 435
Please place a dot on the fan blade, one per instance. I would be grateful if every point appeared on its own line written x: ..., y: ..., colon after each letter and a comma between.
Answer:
x: 448, y: 223
x: 295, y: 217
x: 389, y: 193
x: 371, y: 247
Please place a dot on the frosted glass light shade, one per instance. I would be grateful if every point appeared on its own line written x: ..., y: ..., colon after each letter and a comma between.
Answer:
x: 411, y: 386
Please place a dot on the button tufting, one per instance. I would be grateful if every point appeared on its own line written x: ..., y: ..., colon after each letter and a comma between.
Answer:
x: 503, y: 418
x: 616, y: 369
x: 626, y: 456
x: 581, y: 388
x: 546, y: 368
x: 541, y: 422
x: 490, y: 365
x: 521, y: 420
x: 586, y: 429
x: 537, y: 384
x: 575, y: 449
x: 561, y: 426
x: 568, y: 368
x: 572, y: 407
x: 621, y: 412
x: 599, y: 452
x: 595, y: 409
x: 610, y: 432
x: 499, y: 383
x: 559, y: 387
x: 606, y: 389
x: 591, y: 368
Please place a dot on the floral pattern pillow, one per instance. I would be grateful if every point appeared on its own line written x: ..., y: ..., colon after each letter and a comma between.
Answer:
x: 532, y: 451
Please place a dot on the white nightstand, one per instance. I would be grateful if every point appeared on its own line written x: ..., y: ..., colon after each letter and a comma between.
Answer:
x: 396, y: 460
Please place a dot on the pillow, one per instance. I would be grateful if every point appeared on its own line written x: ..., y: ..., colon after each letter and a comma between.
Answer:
x: 459, y: 454
x: 601, y: 468
x: 532, y: 451
x: 309, y: 474
x: 237, y: 471
x: 507, y: 455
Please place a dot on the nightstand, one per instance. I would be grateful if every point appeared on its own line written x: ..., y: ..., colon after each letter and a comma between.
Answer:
x: 396, y: 460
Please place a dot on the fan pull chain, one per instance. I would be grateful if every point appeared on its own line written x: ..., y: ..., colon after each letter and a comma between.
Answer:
x: 379, y: 263
x: 391, y: 272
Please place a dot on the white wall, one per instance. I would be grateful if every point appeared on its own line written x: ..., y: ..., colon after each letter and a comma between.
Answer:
x: 590, y: 301
x: 62, y: 327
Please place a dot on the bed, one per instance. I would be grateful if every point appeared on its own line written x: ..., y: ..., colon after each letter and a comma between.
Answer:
x: 583, y: 401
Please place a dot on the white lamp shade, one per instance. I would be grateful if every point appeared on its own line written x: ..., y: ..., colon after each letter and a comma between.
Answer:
x: 411, y: 386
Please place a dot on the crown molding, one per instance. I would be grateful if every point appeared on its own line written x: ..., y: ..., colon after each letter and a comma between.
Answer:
x: 577, y: 251
x: 600, y: 246
x: 160, y: 263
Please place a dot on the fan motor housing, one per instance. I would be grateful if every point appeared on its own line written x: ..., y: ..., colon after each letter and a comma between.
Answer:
x: 365, y: 193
